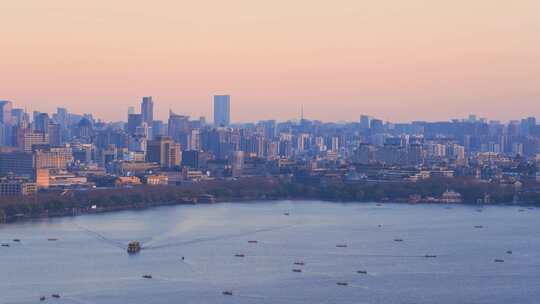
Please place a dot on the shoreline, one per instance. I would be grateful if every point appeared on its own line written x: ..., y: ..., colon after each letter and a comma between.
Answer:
x: 57, y: 204
x: 80, y: 212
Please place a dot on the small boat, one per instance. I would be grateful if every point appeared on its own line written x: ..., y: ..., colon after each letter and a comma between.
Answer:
x: 147, y: 276
x: 509, y: 252
x: 499, y: 261
x: 342, y: 283
x: 227, y: 293
x: 5, y: 245
x: 134, y: 247
x: 341, y: 245
x: 398, y: 240
x: 379, y: 205
x: 286, y: 213
x: 299, y: 263
x: 52, y: 239
x: 478, y: 226
x: 42, y: 298
x: 239, y: 255
x: 55, y: 295
x: 362, y: 272
x: 380, y: 226
x: 253, y: 242
x: 430, y: 256
x: 16, y: 240
x: 297, y: 270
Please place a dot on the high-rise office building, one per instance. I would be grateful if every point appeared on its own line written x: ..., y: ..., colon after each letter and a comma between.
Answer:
x: 131, y: 110
x: 5, y: 111
x: 222, y: 110
x: 147, y: 109
x: 164, y: 151
x: 134, y: 121
x: 41, y: 123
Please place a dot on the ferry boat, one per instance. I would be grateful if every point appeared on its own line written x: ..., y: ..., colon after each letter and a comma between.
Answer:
x: 509, y: 252
x: 253, y: 242
x: 134, y: 247
x: 342, y: 283
x: 147, y: 276
x: 56, y: 296
x: 499, y: 261
x: 227, y: 293
x: 362, y: 271
x: 398, y: 240
x: 297, y: 270
x: 341, y: 245
x: 430, y: 256
x: 299, y: 263
x: 239, y: 255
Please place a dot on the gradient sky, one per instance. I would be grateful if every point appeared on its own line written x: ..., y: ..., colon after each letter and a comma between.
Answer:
x: 397, y: 60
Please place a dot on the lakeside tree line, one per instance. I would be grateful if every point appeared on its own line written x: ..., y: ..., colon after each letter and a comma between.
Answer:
x: 245, y: 189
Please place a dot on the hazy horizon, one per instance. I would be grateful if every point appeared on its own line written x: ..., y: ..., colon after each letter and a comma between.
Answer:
x: 398, y: 61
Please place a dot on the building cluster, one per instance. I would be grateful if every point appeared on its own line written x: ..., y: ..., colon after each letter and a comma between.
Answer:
x: 64, y: 151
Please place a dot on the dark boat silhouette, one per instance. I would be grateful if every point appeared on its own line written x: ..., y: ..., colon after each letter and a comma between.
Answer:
x: 147, y: 276
x: 227, y: 293
x: 55, y: 295
x: 362, y: 271
x: 499, y: 261
x: 297, y: 270
x: 239, y: 255
x: 342, y: 283
x: 134, y: 247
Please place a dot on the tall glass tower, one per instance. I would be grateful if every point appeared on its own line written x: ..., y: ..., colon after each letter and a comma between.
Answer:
x: 222, y: 110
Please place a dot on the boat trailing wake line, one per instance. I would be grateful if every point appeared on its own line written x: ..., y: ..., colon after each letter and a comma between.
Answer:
x: 215, y: 238
x: 101, y: 237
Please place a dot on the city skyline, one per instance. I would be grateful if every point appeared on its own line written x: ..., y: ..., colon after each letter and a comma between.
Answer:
x: 395, y: 60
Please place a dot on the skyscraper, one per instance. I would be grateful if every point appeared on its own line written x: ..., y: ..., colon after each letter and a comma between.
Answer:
x: 134, y: 121
x: 41, y: 123
x: 222, y: 110
x: 5, y: 111
x: 147, y: 109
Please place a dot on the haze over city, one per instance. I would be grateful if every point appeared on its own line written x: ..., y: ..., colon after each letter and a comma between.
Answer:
x: 397, y: 60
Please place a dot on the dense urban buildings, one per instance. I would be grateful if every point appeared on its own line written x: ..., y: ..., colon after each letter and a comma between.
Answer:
x: 63, y: 150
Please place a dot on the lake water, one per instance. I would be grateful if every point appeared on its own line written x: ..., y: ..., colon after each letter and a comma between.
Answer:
x: 89, y: 264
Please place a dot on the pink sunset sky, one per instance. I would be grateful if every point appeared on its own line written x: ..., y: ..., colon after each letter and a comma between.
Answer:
x: 398, y: 60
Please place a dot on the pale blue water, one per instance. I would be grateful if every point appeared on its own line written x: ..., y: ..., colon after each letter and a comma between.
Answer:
x: 84, y: 268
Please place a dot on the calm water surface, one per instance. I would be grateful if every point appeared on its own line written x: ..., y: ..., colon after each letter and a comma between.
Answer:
x: 88, y: 263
